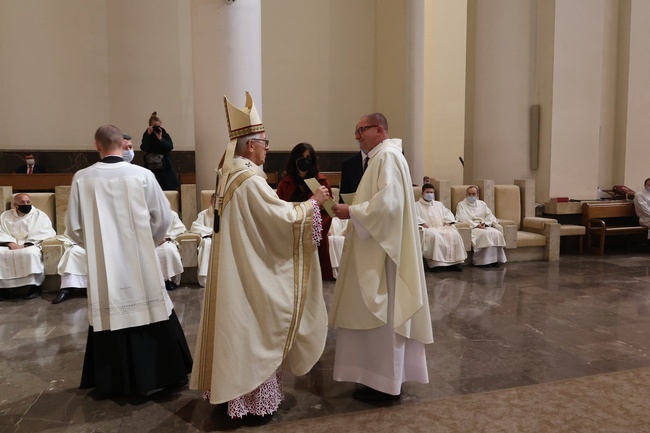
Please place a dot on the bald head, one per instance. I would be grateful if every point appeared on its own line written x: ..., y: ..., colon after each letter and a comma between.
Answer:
x: 109, y: 140
x: 22, y: 199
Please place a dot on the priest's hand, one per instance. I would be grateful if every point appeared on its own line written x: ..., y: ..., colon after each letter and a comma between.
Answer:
x: 342, y: 211
x: 320, y: 195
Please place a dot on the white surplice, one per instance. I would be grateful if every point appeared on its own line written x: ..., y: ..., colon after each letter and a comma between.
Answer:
x: 442, y: 245
x: 118, y: 213
x: 642, y: 207
x: 72, y: 267
x: 168, y: 252
x: 23, y: 266
x: 488, y: 243
x: 336, y: 238
x: 204, y: 226
x: 263, y: 305
x: 380, y: 306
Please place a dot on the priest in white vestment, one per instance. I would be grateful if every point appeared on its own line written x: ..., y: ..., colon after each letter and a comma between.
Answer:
x: 204, y: 227
x: 263, y: 308
x: 642, y: 205
x: 488, y: 242
x: 22, y: 229
x: 169, y: 255
x: 73, y: 270
x: 380, y: 306
x: 442, y: 245
x: 118, y: 213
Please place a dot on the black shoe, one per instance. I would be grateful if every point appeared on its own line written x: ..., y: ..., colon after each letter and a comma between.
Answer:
x: 64, y: 295
x: 34, y: 292
x: 170, y: 286
x: 455, y: 268
x: 495, y: 265
x: 372, y: 395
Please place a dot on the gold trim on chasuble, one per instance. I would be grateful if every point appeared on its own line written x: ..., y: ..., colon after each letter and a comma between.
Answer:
x: 303, y: 247
x: 202, y: 378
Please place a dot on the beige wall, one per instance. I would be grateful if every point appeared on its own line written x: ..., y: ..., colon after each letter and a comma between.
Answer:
x: 318, y: 74
x: 67, y: 67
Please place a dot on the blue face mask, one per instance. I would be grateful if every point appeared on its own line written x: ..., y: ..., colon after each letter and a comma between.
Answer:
x: 471, y: 198
x: 647, y: 188
x: 429, y: 196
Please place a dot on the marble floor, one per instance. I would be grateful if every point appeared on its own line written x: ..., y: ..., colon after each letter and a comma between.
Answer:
x: 502, y: 334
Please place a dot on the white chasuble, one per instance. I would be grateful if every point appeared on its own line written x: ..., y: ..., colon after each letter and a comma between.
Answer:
x: 23, y: 266
x: 204, y: 226
x: 263, y: 306
x: 380, y: 304
x: 125, y: 284
x: 442, y: 245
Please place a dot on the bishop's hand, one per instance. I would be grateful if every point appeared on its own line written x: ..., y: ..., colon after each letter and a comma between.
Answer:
x: 320, y: 195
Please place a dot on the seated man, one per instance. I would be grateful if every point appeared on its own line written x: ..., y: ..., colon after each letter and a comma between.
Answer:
x: 487, y: 237
x: 442, y: 245
x: 22, y: 229
x: 168, y: 254
x: 204, y: 226
x: 642, y: 205
x: 73, y: 270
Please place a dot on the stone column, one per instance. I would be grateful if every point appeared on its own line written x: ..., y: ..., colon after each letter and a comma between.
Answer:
x: 227, y: 60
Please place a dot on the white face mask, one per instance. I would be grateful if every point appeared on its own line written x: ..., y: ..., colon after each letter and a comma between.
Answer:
x: 30, y: 161
x: 429, y: 196
x: 471, y: 198
x: 127, y: 155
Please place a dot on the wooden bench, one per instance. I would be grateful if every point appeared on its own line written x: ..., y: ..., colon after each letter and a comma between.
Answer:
x: 610, y: 219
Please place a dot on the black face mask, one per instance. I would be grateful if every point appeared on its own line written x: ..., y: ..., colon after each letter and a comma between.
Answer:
x: 24, y: 208
x: 303, y: 164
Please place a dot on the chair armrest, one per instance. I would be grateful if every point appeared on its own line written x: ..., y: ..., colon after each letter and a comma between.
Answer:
x: 537, y: 222
x: 507, y: 223
x: 188, y: 248
x: 52, y: 250
x: 466, y: 234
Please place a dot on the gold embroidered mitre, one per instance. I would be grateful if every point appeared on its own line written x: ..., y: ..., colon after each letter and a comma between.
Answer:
x: 242, y: 121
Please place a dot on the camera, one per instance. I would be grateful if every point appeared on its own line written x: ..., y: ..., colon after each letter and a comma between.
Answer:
x: 157, y: 129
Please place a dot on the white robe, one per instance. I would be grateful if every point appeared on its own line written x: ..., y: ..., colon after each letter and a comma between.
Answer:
x: 118, y: 213
x: 168, y: 252
x: 204, y: 226
x: 263, y: 306
x: 442, y: 245
x: 380, y: 306
x: 488, y: 243
x: 642, y: 207
x: 336, y: 238
x: 72, y: 267
x: 23, y: 266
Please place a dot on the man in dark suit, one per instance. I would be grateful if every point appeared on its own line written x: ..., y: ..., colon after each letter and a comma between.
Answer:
x: 30, y: 165
x: 351, y: 173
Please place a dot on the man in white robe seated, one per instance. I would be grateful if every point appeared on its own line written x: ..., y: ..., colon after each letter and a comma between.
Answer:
x: 337, y: 239
x: 22, y: 229
x: 204, y: 227
x: 380, y: 307
x: 442, y: 245
x: 488, y: 242
x: 169, y: 255
x: 642, y: 205
x: 73, y: 270
x: 263, y: 308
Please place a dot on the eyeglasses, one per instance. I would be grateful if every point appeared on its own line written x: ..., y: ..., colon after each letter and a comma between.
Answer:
x: 261, y: 140
x: 361, y: 129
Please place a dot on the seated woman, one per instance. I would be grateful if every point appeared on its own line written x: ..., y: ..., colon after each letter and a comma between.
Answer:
x: 303, y: 164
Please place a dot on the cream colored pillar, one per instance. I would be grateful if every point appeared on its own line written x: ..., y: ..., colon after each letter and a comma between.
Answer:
x: 569, y: 88
x: 227, y: 60
x: 634, y: 97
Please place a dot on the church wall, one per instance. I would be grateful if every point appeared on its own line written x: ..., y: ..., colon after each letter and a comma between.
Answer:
x: 69, y: 66
x: 503, y: 89
x: 318, y: 73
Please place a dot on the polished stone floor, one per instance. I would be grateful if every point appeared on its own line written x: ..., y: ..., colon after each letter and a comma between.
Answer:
x: 495, y: 329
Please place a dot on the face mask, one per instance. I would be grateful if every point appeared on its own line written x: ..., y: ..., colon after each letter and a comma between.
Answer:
x: 647, y: 188
x: 429, y: 196
x: 303, y: 164
x: 127, y: 155
x: 30, y: 161
x: 471, y: 198
x: 24, y: 208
